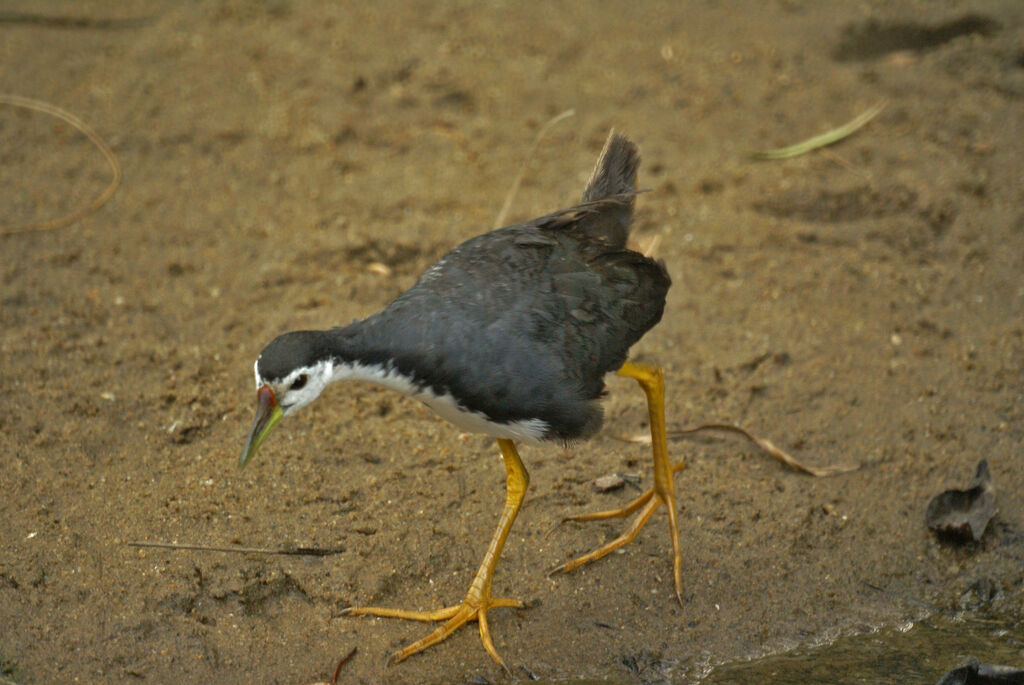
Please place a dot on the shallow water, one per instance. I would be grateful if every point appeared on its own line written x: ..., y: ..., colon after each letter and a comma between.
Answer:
x: 919, y: 652
x: 916, y: 652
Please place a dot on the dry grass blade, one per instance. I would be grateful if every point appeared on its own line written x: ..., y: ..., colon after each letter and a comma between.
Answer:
x: 826, y: 138
x: 507, y: 205
x: 767, y: 445
x: 88, y: 132
x: 293, y: 551
x: 650, y: 246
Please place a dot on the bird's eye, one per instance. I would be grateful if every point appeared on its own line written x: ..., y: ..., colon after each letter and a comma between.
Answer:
x: 299, y: 383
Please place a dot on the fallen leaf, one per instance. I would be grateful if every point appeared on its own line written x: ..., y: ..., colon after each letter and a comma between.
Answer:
x: 961, y: 515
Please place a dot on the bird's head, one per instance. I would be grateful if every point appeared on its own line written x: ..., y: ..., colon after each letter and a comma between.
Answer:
x: 291, y: 372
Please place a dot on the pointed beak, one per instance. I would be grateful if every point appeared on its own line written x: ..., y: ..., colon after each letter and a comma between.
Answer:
x: 268, y: 414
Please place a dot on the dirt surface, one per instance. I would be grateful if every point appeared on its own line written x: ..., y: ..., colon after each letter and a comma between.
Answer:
x: 862, y: 305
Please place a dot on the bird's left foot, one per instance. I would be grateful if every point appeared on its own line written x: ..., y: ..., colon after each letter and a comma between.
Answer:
x: 472, y: 608
x: 478, y: 598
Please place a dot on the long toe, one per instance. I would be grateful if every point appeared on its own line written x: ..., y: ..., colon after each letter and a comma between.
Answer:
x: 646, y: 504
x: 454, y: 617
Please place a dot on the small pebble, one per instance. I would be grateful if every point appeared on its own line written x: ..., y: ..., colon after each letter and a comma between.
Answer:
x: 609, y: 483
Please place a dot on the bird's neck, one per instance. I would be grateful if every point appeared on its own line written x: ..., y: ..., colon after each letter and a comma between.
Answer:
x: 355, y: 355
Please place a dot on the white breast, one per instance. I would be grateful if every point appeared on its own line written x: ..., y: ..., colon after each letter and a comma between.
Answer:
x: 530, y: 431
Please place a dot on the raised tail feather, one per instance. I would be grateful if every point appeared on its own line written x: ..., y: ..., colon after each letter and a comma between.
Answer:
x: 615, y: 171
x: 610, y: 193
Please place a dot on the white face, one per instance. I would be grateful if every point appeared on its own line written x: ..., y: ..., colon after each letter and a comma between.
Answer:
x: 298, y: 388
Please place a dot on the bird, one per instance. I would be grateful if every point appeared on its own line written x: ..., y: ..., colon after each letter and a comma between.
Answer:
x: 511, y: 334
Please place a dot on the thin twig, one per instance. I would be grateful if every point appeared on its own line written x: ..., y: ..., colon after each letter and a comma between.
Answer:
x: 767, y: 445
x: 503, y: 214
x: 344, y: 660
x: 826, y: 138
x: 88, y: 132
x: 72, y: 22
x: 296, y: 551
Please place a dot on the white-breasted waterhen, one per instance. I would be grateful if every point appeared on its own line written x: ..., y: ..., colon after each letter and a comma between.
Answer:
x: 510, y: 334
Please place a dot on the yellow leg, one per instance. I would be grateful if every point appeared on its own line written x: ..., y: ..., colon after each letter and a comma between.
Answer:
x: 653, y: 384
x: 478, y: 599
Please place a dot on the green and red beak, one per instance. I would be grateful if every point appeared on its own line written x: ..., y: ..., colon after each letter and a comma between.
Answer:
x: 268, y: 414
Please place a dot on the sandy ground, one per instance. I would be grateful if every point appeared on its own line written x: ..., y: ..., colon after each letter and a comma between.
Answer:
x: 861, y: 305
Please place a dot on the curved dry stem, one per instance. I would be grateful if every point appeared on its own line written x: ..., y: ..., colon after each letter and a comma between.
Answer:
x: 88, y: 132
x: 507, y: 205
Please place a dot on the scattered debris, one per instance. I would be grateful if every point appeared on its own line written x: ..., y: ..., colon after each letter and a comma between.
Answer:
x: 649, y: 666
x: 530, y: 675
x: 962, y: 515
x: 979, y: 595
